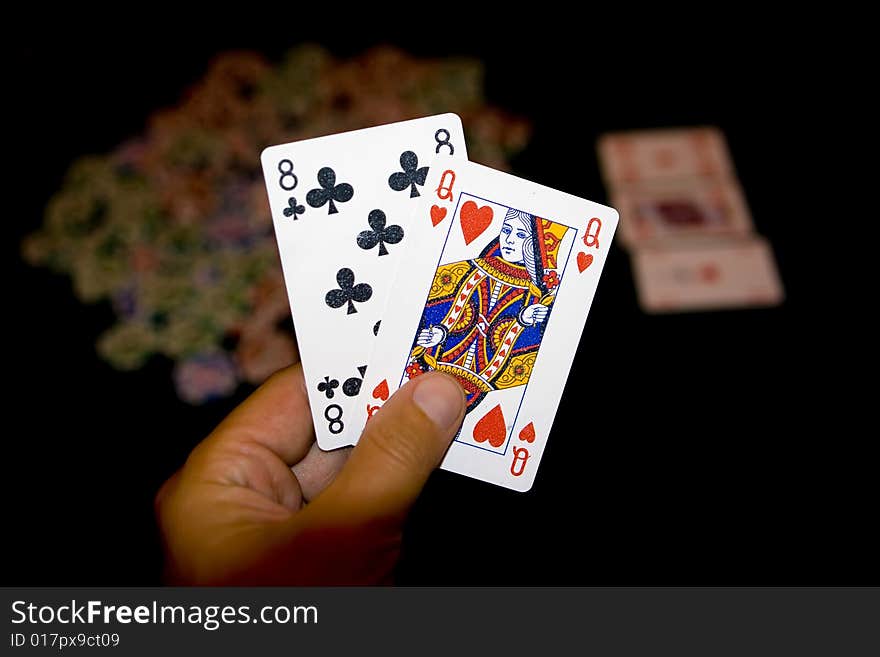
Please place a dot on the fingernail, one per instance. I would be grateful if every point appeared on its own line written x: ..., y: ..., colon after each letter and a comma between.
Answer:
x: 440, y: 399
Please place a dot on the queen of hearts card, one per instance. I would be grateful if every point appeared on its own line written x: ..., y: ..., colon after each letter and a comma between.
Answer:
x: 485, y: 317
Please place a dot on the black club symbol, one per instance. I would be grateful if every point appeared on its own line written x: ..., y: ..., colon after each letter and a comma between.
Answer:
x: 348, y: 291
x: 329, y: 191
x: 380, y: 234
x: 352, y: 386
x: 293, y: 209
x: 327, y: 385
x: 410, y: 176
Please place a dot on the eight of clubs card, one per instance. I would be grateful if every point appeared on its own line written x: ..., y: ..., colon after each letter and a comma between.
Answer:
x: 495, y: 294
x: 341, y: 205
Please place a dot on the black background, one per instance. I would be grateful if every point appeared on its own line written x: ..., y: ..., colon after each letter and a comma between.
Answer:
x: 688, y: 449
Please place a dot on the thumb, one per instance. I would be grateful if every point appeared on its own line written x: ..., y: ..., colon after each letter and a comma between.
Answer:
x: 399, y: 448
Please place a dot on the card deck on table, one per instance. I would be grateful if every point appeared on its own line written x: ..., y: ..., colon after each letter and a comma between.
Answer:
x: 699, y: 276
x: 341, y: 205
x: 494, y: 291
x: 701, y: 207
x: 634, y: 157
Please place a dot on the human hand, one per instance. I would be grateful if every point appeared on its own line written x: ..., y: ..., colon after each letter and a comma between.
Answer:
x: 258, y: 503
x: 430, y: 337
x: 535, y: 314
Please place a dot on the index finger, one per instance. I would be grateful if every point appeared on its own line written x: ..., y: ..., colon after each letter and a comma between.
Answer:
x: 276, y: 416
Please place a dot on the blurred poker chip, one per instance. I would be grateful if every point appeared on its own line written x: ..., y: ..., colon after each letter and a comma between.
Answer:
x: 173, y: 228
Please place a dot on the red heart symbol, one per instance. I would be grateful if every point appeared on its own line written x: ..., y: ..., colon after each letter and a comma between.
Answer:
x: 584, y: 260
x: 381, y: 390
x: 528, y: 433
x: 491, y: 427
x: 474, y: 220
x: 710, y: 273
x: 437, y: 214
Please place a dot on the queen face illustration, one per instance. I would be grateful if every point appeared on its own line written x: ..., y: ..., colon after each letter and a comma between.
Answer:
x: 484, y: 318
x: 514, y: 233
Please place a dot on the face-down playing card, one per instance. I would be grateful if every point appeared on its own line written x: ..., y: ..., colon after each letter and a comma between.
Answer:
x: 707, y: 275
x: 340, y: 205
x: 642, y: 156
x: 690, y: 208
x: 495, y: 294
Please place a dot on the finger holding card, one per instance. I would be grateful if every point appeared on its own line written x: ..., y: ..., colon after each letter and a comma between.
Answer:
x: 340, y: 205
x: 495, y: 295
